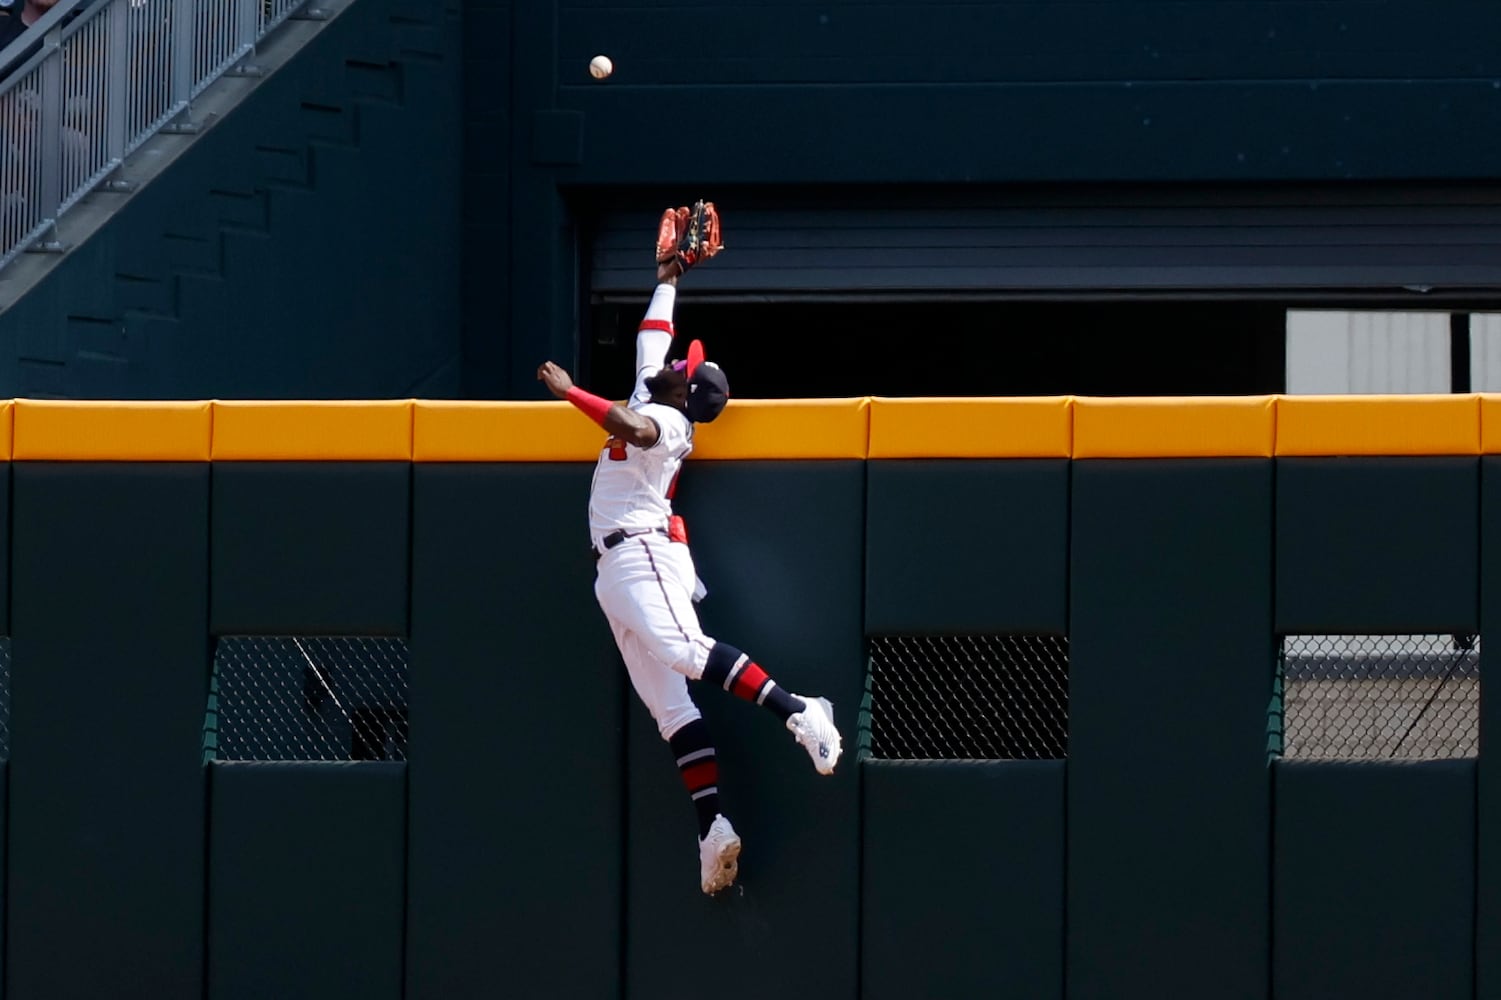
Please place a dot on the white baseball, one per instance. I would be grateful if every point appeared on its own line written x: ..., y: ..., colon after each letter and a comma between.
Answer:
x: 601, y: 67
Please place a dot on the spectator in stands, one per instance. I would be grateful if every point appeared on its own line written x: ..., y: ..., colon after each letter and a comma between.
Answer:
x: 10, y: 21
x: 20, y: 15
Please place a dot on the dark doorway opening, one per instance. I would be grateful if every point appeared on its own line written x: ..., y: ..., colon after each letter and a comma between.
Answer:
x: 792, y: 349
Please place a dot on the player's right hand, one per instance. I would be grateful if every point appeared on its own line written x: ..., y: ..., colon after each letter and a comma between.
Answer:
x: 555, y: 378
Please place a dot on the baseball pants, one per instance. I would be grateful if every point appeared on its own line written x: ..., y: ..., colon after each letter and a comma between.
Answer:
x: 645, y: 588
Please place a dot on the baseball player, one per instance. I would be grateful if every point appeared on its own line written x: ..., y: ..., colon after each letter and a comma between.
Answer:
x: 645, y: 583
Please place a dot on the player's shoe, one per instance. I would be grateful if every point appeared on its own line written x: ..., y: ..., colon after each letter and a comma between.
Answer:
x: 687, y: 236
x: 815, y: 731
x: 718, y: 857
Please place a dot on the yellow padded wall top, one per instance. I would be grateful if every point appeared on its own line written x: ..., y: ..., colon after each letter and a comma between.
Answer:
x: 306, y: 431
x: 786, y: 429
x: 1490, y: 423
x: 864, y: 427
x: 558, y: 432
x: 115, y: 431
x: 1378, y: 425
x: 453, y: 431
x: 1174, y: 427
x: 1031, y: 427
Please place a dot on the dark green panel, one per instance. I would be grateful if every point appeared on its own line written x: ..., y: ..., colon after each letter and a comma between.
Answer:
x: 1059, y: 131
x: 1137, y: 40
x: 1374, y: 880
x: 515, y: 755
x: 989, y: 926
x: 109, y: 680
x: 1170, y: 669
x: 310, y: 548
x: 306, y: 880
x: 1377, y: 545
x: 784, y: 586
x: 5, y: 533
x: 487, y: 70
x: 966, y: 546
x: 4, y: 860
x: 1488, y: 792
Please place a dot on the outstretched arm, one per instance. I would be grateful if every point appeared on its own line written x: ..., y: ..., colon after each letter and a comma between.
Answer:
x: 654, y: 337
x: 628, y: 425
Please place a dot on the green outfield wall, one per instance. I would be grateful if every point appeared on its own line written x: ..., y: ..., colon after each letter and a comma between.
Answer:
x: 535, y: 840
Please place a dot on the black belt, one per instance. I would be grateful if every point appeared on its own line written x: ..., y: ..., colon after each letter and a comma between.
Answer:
x: 619, y: 535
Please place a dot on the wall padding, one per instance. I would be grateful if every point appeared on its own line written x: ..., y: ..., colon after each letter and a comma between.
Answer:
x: 516, y: 742
x: 1374, y: 545
x: 961, y: 886
x: 1374, y: 880
x: 109, y: 682
x: 1169, y: 675
x: 307, y: 879
x: 311, y: 548
x: 966, y: 546
x: 779, y: 546
x: 1488, y: 782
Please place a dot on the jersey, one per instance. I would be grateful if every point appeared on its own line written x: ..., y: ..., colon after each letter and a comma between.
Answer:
x: 633, y: 486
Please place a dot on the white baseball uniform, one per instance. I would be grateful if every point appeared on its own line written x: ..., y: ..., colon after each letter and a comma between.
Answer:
x: 646, y: 584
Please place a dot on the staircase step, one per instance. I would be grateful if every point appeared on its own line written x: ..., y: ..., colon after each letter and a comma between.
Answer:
x: 153, y: 296
x: 99, y: 340
x: 284, y: 169
x: 330, y: 124
x: 245, y: 259
x: 244, y: 211
x: 199, y: 295
x: 40, y: 379
x: 44, y: 343
x: 191, y: 254
x: 371, y: 82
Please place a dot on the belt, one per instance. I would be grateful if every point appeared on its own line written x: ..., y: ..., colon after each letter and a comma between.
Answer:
x: 619, y: 535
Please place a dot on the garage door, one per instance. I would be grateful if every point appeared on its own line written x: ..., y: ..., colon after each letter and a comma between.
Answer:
x: 1369, y: 243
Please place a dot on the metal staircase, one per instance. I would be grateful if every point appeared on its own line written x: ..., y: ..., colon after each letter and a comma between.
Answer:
x: 298, y: 148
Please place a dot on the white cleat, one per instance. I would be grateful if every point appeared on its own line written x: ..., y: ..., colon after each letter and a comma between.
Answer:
x: 718, y: 857
x: 814, y: 729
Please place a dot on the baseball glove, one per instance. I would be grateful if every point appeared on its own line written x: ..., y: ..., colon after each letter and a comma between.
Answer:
x: 688, y: 236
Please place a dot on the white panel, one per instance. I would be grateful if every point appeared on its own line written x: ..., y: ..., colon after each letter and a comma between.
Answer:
x: 1354, y: 352
x: 1485, y: 352
x: 1318, y: 352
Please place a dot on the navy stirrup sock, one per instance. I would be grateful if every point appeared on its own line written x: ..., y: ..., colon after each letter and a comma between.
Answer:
x: 738, y: 674
x: 700, y: 769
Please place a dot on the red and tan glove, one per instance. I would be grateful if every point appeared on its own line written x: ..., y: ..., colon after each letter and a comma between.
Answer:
x: 687, y: 236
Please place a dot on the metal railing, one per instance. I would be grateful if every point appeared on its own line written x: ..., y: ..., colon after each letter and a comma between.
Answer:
x: 92, y: 80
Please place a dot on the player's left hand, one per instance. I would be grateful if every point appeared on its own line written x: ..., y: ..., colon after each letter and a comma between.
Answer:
x: 556, y: 379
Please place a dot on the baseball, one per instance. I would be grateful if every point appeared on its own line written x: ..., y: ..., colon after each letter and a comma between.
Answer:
x: 601, y: 67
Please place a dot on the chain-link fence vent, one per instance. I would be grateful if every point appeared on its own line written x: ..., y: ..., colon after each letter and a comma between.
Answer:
x: 1377, y: 697
x: 968, y: 697
x: 307, y: 698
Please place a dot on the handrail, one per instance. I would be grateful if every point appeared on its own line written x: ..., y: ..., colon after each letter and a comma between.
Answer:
x: 92, y: 80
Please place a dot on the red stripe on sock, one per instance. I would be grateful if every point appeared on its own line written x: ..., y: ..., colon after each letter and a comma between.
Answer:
x: 701, y: 774
x: 748, y: 682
